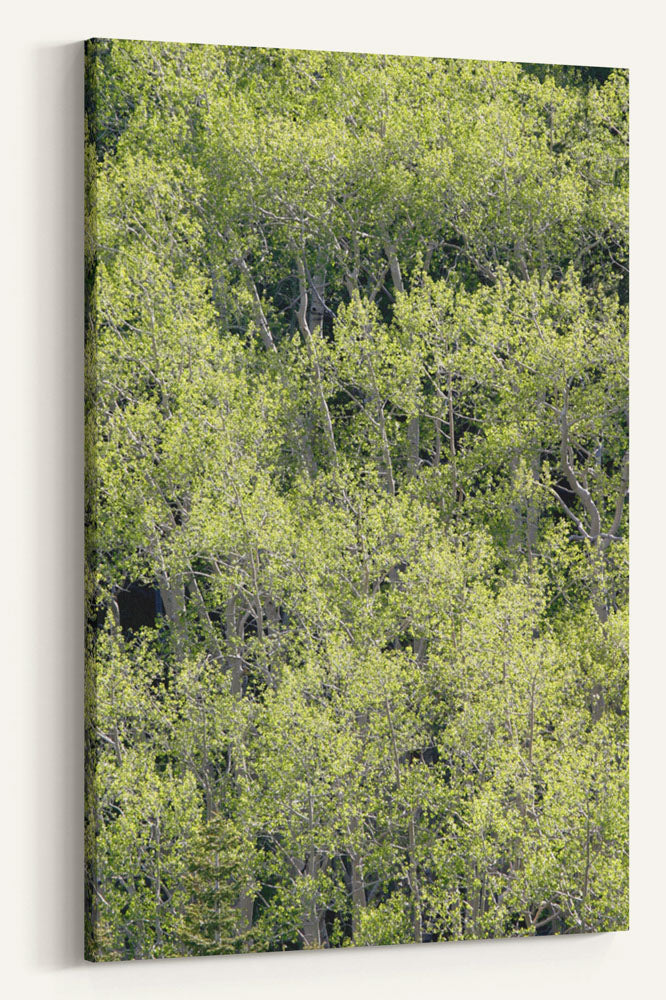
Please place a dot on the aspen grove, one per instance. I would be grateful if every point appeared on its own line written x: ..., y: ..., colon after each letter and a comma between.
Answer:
x: 357, y: 478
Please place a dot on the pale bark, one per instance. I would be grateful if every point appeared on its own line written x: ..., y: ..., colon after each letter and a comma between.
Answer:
x: 173, y: 599
x: 452, y: 442
x: 621, y: 498
x: 413, y: 878
x: 269, y: 344
x: 412, y: 870
x: 245, y: 906
x: 314, y: 931
x: 259, y: 315
x: 234, y: 632
x: 310, y: 343
x: 413, y: 426
x: 591, y: 529
x: 532, y: 526
x: 358, y: 894
x: 316, y: 303
x: 359, y: 901
x: 413, y: 444
x: 437, y: 451
x: 386, y: 451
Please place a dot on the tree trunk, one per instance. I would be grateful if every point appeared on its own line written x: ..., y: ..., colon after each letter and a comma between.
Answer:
x: 173, y: 600
x: 359, y: 901
x: 234, y: 632
x: 413, y: 445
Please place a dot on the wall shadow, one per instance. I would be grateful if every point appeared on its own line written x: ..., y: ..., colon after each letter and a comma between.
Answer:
x: 54, y: 883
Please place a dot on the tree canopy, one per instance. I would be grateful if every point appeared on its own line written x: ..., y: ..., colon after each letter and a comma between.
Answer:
x: 357, y: 437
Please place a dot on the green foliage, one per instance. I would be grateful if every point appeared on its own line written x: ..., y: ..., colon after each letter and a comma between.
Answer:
x: 358, y: 438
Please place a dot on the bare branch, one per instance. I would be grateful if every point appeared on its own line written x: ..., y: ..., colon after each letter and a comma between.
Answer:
x: 309, y: 340
x: 622, y: 495
x: 394, y: 265
x: 567, y: 510
x: 259, y: 313
x: 566, y: 458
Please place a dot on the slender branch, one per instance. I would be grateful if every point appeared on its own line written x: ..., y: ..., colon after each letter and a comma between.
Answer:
x: 309, y: 340
x: 622, y: 495
x: 393, y: 265
x: 259, y: 313
x: 567, y: 510
x: 566, y: 458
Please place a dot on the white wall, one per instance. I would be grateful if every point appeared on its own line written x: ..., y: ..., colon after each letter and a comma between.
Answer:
x: 41, y: 330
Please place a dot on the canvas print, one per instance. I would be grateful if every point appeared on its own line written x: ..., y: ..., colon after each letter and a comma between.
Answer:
x: 357, y: 478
